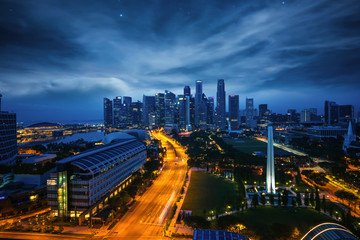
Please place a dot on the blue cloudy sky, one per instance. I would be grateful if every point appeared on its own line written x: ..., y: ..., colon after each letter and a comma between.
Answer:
x: 60, y: 58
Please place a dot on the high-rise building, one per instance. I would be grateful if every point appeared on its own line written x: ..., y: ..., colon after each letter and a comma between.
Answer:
x: 305, y: 115
x: 192, y: 110
x: 117, y: 111
x: 127, y: 100
x: 210, y: 110
x: 169, y: 107
x: 108, y: 112
x: 331, y: 112
x: 292, y: 115
x: 262, y: 110
x: 187, y: 91
x: 148, y: 109
x: 270, y: 166
x: 181, y: 100
x: 249, y: 113
x: 200, y: 106
x: 136, y: 112
x: 346, y: 113
x: 126, y: 110
x: 220, y: 110
x: 234, y: 111
x: 198, y: 101
x: 160, y: 109
x: 8, y: 137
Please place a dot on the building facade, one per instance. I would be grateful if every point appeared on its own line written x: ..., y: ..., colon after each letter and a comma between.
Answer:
x: 220, y: 105
x: 108, y: 112
x: 234, y: 111
x: 83, y: 183
x: 8, y: 140
x: 148, y: 109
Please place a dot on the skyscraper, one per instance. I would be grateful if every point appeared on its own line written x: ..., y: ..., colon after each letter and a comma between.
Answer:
x: 346, y: 113
x: 126, y: 110
x: 331, y: 112
x: 270, y: 167
x: 305, y: 116
x: 8, y: 139
x: 220, y: 105
x: 117, y: 111
x: 160, y: 109
x: 148, y: 109
x: 187, y: 91
x: 108, y: 112
x: 210, y: 110
x: 249, y: 113
x: 262, y: 110
x: 169, y: 107
x: 136, y: 112
x: 200, y: 107
x: 234, y: 111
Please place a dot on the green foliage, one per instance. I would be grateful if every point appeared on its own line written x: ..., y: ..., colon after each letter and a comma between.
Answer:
x: 255, y: 201
x: 285, y: 198
x: 119, y: 201
x: 210, y: 192
x: 196, y: 222
x: 298, y: 199
x: 272, y: 200
x: 262, y: 199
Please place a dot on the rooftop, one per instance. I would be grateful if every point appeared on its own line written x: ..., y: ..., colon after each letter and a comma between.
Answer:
x: 217, y: 235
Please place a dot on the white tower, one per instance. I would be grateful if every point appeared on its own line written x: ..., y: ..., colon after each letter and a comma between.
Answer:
x: 348, y: 138
x: 270, y: 170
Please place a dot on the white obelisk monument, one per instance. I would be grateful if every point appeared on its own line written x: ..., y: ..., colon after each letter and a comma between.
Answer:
x: 270, y: 170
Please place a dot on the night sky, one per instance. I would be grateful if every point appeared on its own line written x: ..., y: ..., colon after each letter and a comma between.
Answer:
x: 60, y: 58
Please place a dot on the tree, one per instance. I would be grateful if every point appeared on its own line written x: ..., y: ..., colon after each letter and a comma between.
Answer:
x: 255, y: 201
x: 279, y: 199
x: 306, y: 199
x: 263, y: 199
x: 317, y: 200
x: 298, y: 199
x: 272, y: 200
x: 323, y: 203
x: 285, y: 198
x: 196, y: 222
x: 312, y: 198
x: 119, y: 201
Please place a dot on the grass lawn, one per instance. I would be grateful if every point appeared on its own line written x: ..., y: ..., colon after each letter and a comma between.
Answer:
x: 261, y: 220
x: 208, y: 192
x: 249, y: 146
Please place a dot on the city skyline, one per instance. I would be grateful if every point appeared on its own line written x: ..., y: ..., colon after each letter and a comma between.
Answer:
x: 61, y: 54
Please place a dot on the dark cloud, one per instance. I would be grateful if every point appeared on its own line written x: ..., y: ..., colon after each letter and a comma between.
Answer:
x: 60, y: 54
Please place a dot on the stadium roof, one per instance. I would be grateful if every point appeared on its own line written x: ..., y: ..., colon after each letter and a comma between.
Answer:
x: 331, y: 231
x: 100, y: 158
x: 217, y: 235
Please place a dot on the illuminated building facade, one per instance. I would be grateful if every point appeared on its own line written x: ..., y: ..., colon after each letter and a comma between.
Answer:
x: 234, y: 111
x: 8, y: 145
x: 84, y: 182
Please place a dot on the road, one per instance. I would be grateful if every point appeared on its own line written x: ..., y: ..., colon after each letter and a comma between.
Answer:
x: 283, y: 147
x: 146, y: 218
